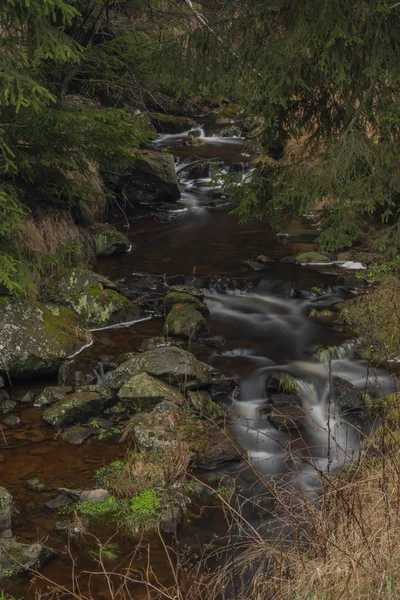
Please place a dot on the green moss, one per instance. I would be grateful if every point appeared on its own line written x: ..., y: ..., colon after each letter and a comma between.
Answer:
x: 145, y: 506
x: 110, y: 506
x: 232, y: 111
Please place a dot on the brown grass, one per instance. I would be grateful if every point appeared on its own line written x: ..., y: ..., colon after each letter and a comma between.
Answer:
x: 53, y: 241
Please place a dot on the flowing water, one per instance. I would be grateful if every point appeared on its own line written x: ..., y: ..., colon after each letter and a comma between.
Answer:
x: 264, y: 318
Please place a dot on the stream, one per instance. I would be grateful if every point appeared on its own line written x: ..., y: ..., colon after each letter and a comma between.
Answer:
x: 263, y: 316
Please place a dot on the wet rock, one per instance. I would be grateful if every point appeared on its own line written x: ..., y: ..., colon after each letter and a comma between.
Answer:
x: 215, y: 450
x: 345, y: 395
x: 108, y: 240
x: 12, y: 421
x: 184, y: 321
x: 16, y: 557
x: 254, y: 265
x: 35, y: 485
x: 280, y: 400
x: 51, y: 394
x: 151, y: 179
x: 69, y: 375
x: 108, y: 362
x: 174, y: 365
x: 173, y: 512
x: 143, y: 392
x: 308, y: 258
x: 162, y: 429
x: 287, y: 417
x: 78, y: 407
x: 7, y: 406
x: 28, y: 398
x: 3, y: 396
x: 223, y: 385
x: 171, y: 123
x: 97, y: 423
x: 160, y: 342
x: 35, y: 339
x: 217, y: 341
x: 187, y: 289
x: 92, y: 297
x: 59, y: 501
x: 202, y: 403
x: 231, y: 132
x: 173, y: 297
x: 98, y: 495
x: 76, y: 434
x: 5, y: 513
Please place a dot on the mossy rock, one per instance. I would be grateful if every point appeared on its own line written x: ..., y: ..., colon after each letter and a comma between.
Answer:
x: 16, y: 557
x: 78, y: 407
x: 175, y: 366
x: 143, y: 392
x: 51, y: 394
x: 92, y: 297
x: 184, y: 321
x: 152, y: 178
x: 229, y: 113
x: 108, y: 240
x: 5, y: 513
x: 187, y: 289
x: 36, y: 339
x: 311, y: 257
x: 171, y: 123
x: 210, y: 445
x: 173, y: 297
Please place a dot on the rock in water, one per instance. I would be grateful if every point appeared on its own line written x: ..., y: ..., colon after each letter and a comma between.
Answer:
x: 108, y: 240
x: 16, y: 557
x: 184, y: 321
x: 92, y: 297
x: 151, y: 179
x: 78, y: 407
x: 174, y: 365
x: 5, y: 513
x: 143, y: 392
x: 51, y: 394
x: 171, y: 123
x: 35, y: 339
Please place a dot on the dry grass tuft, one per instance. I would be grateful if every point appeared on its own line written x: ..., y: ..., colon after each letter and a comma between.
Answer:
x: 53, y: 241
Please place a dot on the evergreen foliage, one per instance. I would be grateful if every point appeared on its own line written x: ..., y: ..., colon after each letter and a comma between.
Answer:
x: 325, y: 72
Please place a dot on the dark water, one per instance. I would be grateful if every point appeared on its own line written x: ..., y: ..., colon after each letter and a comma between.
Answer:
x: 267, y: 328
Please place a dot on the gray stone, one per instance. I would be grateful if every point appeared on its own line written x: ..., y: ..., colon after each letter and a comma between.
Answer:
x: 287, y: 417
x: 7, y: 406
x: 28, y: 398
x: 187, y: 289
x: 51, y: 394
x: 34, y: 338
x: 12, y: 421
x: 218, y: 341
x: 78, y: 407
x: 92, y: 297
x: 172, y: 298
x: 172, y: 123
x: 108, y: 240
x: 175, y: 366
x: 151, y: 179
x: 76, y: 434
x: 70, y: 375
x: 16, y: 558
x: 202, y: 403
x: 184, y: 321
x: 159, y: 342
x: 5, y: 513
x: 143, y: 392
x: 345, y: 395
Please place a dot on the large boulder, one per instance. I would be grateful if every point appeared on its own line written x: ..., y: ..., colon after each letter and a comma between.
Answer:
x: 171, y: 123
x: 78, y: 407
x: 174, y: 365
x: 108, y: 240
x: 184, y: 321
x: 345, y: 395
x: 5, y: 513
x: 51, y: 394
x: 36, y: 339
x: 92, y: 297
x: 151, y: 179
x: 16, y: 557
x: 164, y: 429
x: 143, y: 392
